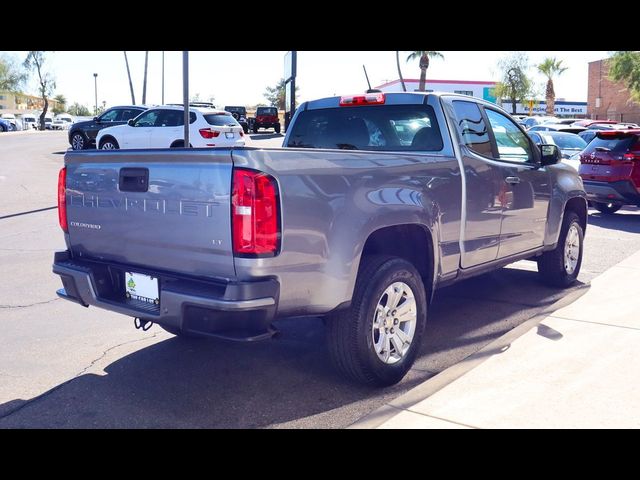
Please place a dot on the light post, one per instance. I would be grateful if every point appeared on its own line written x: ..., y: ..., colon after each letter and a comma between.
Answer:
x: 95, y: 79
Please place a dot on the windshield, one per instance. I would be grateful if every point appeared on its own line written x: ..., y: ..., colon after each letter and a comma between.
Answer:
x: 567, y: 142
x: 388, y: 128
x: 219, y: 120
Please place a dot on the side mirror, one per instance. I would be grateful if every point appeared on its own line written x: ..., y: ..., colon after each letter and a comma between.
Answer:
x: 550, y: 154
x: 96, y: 119
x: 130, y: 122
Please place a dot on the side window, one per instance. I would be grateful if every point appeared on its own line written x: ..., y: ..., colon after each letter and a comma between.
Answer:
x: 170, y: 118
x: 147, y: 119
x: 472, y: 127
x: 110, y: 116
x: 129, y: 114
x: 513, y: 145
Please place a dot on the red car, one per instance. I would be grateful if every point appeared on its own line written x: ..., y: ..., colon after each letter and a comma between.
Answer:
x: 266, y: 117
x: 610, y: 169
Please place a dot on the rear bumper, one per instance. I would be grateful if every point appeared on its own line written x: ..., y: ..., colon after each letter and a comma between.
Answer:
x: 232, y: 310
x: 612, y: 192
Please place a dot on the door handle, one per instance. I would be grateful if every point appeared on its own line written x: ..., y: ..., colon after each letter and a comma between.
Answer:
x: 512, y: 180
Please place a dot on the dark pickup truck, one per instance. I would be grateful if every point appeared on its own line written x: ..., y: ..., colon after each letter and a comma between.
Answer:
x: 373, y: 202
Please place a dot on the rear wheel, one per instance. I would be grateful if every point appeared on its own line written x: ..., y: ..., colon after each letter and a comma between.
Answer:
x: 78, y: 141
x: 376, y: 340
x: 607, y: 208
x: 277, y: 128
x: 255, y: 129
x: 560, y: 267
x: 109, y: 143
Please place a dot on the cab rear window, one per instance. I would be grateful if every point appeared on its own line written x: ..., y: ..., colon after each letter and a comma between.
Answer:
x: 388, y: 128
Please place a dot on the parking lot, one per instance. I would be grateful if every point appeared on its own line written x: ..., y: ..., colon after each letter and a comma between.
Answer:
x: 65, y: 366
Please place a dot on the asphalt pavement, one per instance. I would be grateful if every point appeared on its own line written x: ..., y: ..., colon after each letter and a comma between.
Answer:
x: 62, y: 365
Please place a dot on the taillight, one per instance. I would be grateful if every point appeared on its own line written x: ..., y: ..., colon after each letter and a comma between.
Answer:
x: 62, y: 199
x: 367, y: 99
x: 241, y: 132
x: 208, y: 133
x: 631, y: 156
x: 254, y: 213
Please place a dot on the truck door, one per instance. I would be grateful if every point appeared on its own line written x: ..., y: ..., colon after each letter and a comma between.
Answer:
x: 484, y: 178
x: 526, y: 188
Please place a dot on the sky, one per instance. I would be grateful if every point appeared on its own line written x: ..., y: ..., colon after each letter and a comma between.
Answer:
x: 241, y: 77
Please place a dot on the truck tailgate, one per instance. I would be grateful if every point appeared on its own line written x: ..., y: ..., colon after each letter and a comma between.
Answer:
x: 161, y: 210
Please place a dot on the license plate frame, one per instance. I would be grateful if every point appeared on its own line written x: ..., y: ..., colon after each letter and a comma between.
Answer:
x: 229, y: 134
x: 142, y: 287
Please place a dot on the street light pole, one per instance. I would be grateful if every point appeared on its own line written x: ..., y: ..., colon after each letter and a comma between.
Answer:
x: 185, y: 95
x: 95, y: 79
x: 163, y: 77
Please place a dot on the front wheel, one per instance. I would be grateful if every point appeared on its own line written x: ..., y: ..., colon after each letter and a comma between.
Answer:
x: 109, y: 144
x: 560, y: 267
x: 78, y: 141
x: 376, y: 340
x: 607, y: 208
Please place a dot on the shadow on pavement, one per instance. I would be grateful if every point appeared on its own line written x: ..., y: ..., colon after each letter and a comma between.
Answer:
x: 625, y: 222
x: 265, y: 136
x: 183, y: 383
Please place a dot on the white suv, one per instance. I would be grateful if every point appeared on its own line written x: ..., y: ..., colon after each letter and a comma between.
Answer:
x: 163, y: 127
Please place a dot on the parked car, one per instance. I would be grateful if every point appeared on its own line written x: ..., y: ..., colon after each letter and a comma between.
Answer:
x: 533, y: 121
x: 82, y: 134
x: 163, y: 127
x: 355, y: 219
x: 5, y: 125
x: 556, y: 127
x: 11, y: 118
x: 610, y: 169
x: 48, y: 122
x: 240, y: 114
x: 588, y: 135
x: 266, y: 117
x: 62, y: 122
x: 570, y: 145
x: 563, y: 121
x: 588, y: 122
x: 30, y: 121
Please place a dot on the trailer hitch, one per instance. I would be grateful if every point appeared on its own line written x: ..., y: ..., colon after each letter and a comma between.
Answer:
x: 140, y: 323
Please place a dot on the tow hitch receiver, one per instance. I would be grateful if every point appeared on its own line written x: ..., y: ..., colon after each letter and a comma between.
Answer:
x: 143, y: 324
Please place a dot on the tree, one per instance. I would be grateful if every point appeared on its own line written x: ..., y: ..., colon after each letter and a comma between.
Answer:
x: 549, y: 68
x: 11, y: 75
x: 61, y: 104
x: 35, y: 61
x: 78, y: 110
x: 404, y: 88
x: 424, y: 64
x: 133, y: 97
x: 515, y: 83
x: 625, y: 67
x: 276, y: 96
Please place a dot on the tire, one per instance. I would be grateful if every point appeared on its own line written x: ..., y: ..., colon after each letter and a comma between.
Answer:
x: 177, y: 144
x: 109, y: 143
x: 607, y: 208
x: 554, y: 268
x: 245, y: 130
x: 277, y: 128
x: 255, y: 129
x: 356, y: 346
x: 78, y: 141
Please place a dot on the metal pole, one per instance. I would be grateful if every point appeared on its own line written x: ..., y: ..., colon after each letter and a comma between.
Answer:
x: 144, y: 85
x: 163, y: 77
x: 185, y: 95
x: 95, y: 80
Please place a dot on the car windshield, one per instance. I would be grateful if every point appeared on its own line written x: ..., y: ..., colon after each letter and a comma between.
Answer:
x: 267, y: 111
x: 568, y: 141
x: 220, y: 120
x: 392, y: 128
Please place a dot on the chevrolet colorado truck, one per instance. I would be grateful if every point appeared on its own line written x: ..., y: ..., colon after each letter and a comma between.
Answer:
x: 373, y: 203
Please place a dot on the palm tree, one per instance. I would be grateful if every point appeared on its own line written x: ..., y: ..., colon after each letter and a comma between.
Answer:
x: 424, y: 57
x: 404, y: 88
x: 549, y: 68
x: 133, y: 97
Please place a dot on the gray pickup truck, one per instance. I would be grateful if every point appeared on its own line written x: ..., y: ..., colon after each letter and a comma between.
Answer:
x: 374, y: 201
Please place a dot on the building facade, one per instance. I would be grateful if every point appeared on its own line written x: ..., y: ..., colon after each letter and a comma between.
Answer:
x: 609, y: 100
x: 12, y: 102
x: 465, y: 87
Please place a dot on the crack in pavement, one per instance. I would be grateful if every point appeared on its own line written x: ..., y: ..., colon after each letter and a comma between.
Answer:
x: 30, y: 305
x: 77, y: 375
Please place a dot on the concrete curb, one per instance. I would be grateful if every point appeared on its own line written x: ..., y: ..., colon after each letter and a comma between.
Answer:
x: 449, y: 375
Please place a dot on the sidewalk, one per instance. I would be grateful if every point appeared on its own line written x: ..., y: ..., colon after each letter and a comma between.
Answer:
x: 576, y: 367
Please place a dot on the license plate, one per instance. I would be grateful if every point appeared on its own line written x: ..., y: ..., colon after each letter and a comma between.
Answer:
x: 141, y: 287
x: 228, y: 134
